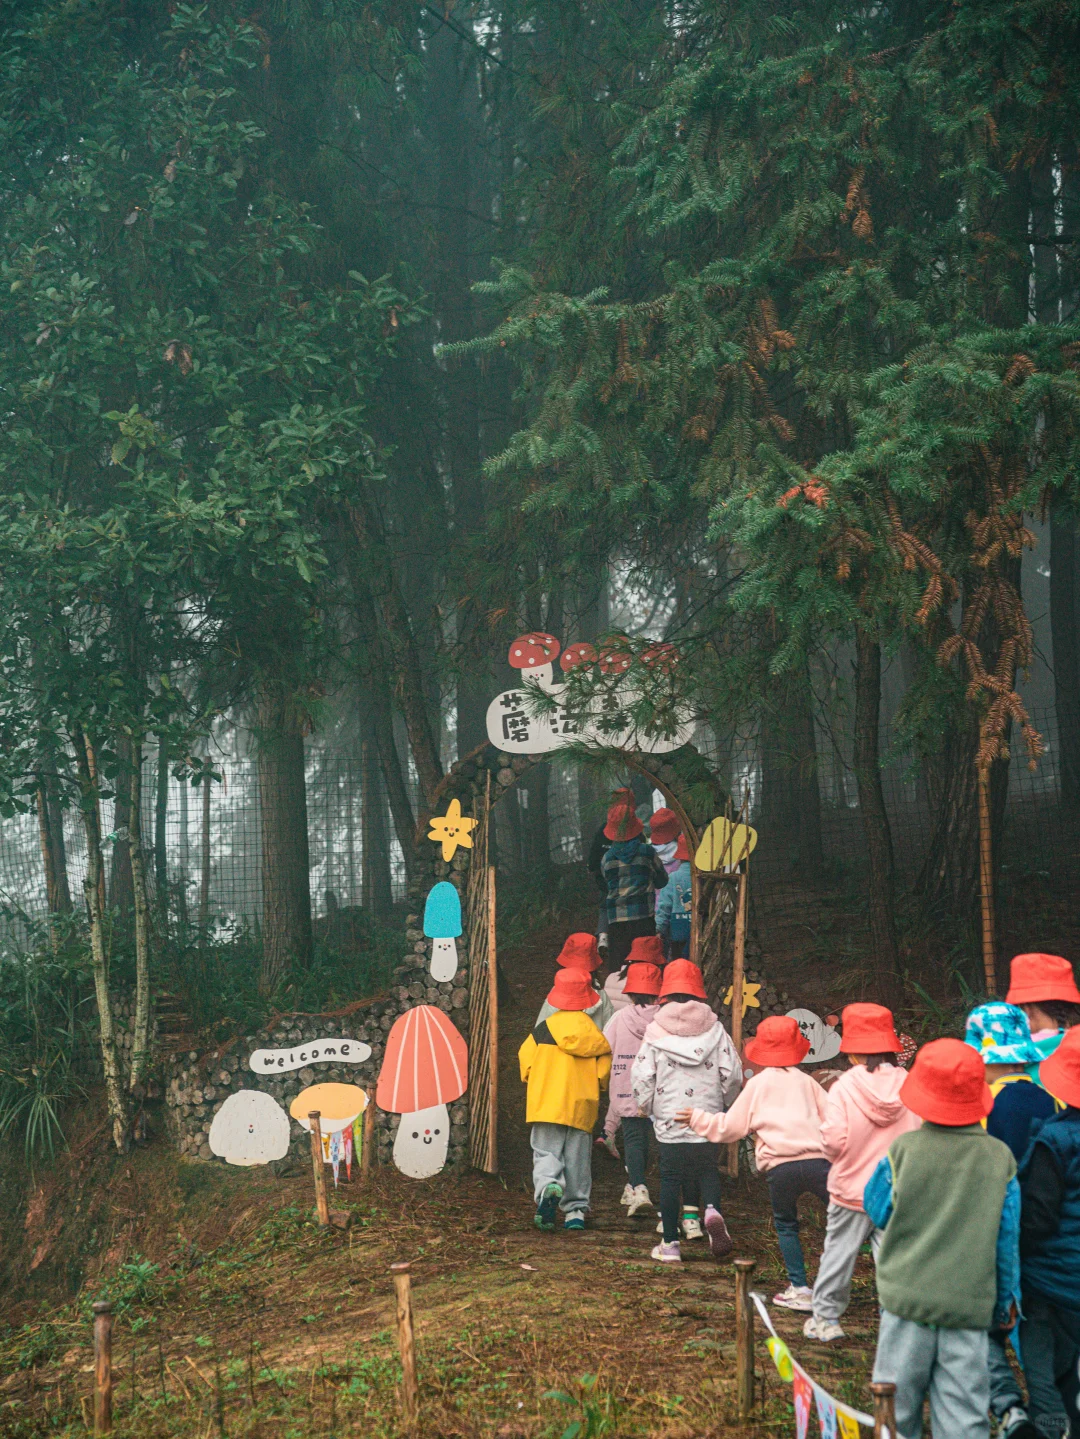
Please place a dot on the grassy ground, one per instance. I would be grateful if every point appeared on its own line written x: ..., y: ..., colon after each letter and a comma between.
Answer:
x: 237, y: 1316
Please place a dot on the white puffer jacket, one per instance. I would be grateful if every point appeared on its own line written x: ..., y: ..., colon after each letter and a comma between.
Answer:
x: 686, y: 1061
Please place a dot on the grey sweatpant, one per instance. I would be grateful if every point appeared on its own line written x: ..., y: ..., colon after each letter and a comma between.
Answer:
x: 563, y: 1156
x: 846, y: 1231
x: 948, y: 1365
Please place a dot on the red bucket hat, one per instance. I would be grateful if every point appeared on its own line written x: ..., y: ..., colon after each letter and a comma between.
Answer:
x: 664, y: 826
x: 778, y: 1043
x: 682, y: 849
x: 572, y: 990
x: 868, y: 1029
x: 642, y: 978
x: 947, y: 1084
x: 622, y: 823
x: 682, y: 976
x: 1035, y: 977
x: 579, y: 951
x: 1060, y: 1074
x: 647, y: 949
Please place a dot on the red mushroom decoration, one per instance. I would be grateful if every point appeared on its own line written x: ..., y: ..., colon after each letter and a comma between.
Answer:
x: 425, y: 1067
x: 615, y: 656
x: 576, y: 655
x: 534, y: 654
x: 663, y: 657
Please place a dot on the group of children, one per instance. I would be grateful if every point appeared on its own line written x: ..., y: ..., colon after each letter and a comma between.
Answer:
x: 963, y: 1172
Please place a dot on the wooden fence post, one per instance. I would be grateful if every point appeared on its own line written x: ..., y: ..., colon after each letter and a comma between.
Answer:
x: 407, y: 1347
x: 744, y: 1336
x: 103, y: 1323
x: 318, y: 1166
x: 884, y: 1410
x: 369, y: 1135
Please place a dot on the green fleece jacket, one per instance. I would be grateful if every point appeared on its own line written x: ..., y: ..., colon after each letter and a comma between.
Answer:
x: 938, y: 1260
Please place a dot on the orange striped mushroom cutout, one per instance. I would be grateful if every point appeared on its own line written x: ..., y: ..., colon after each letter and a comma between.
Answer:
x: 425, y: 1067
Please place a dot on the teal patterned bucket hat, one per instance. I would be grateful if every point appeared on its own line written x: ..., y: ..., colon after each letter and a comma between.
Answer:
x: 1001, y: 1034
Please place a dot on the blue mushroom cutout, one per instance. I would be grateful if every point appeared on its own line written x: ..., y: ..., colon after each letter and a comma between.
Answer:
x: 442, y: 925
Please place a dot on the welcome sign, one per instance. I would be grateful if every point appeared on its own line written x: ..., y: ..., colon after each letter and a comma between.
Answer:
x: 319, y: 1051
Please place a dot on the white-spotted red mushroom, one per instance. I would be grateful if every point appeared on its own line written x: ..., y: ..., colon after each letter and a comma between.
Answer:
x: 425, y: 1067
x: 534, y: 655
x: 576, y: 655
x: 615, y: 656
x: 663, y: 657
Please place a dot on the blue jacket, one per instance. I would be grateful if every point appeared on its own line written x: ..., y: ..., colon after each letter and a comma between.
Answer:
x: 1051, y: 1264
x: 878, y: 1204
x: 673, y: 904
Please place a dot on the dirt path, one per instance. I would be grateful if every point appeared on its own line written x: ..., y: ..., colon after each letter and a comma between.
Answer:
x: 258, y: 1323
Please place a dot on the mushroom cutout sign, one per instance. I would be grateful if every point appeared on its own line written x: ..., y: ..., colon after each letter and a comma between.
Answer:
x: 425, y: 1067
x: 580, y: 653
x: 824, y: 1039
x: 337, y: 1105
x: 442, y: 925
x: 250, y: 1128
x: 534, y: 654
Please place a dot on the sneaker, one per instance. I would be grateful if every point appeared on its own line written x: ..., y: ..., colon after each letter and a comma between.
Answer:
x: 544, y: 1218
x: 691, y: 1225
x: 639, y: 1199
x: 659, y: 1226
x: 1015, y: 1424
x: 607, y: 1143
x: 627, y: 1197
x: 824, y: 1329
x: 574, y: 1222
x: 795, y: 1296
x: 720, y: 1241
x: 667, y: 1253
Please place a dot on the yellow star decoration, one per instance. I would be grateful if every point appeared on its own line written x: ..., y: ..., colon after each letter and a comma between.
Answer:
x: 451, y: 829
x: 749, y: 996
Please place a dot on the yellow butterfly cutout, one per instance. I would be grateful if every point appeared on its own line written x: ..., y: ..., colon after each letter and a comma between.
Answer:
x: 451, y: 829
x: 749, y: 996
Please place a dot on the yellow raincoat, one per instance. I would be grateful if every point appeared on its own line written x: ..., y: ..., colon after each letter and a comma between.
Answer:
x: 565, y: 1073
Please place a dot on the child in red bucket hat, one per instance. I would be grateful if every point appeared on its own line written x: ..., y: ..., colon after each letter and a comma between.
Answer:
x: 948, y: 1266
x: 633, y: 873
x: 1044, y: 987
x: 580, y: 951
x: 625, y: 1034
x: 783, y: 1108
x: 863, y: 1115
x: 1050, y: 1249
x: 565, y: 1062
x: 686, y: 1057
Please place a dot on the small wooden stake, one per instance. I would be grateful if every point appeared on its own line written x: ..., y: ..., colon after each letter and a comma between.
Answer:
x: 368, y: 1141
x: 317, y: 1165
x: 410, y: 1403
x: 103, y: 1322
x: 884, y: 1410
x: 986, y: 881
x: 744, y: 1337
x: 493, y: 1023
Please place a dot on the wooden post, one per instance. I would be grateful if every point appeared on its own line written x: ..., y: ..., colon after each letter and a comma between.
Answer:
x: 103, y: 1322
x: 317, y: 1165
x: 406, y: 1347
x: 986, y: 881
x: 884, y: 1410
x: 369, y: 1135
x: 744, y: 1336
x: 493, y: 1022
x: 738, y: 976
x: 695, y: 913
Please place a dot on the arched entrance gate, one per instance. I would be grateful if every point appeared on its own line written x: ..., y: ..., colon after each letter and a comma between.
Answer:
x: 690, y: 787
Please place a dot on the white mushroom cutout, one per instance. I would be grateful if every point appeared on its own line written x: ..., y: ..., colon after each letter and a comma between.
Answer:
x: 442, y: 925
x: 824, y: 1038
x: 534, y: 655
x: 250, y: 1128
x: 426, y: 1066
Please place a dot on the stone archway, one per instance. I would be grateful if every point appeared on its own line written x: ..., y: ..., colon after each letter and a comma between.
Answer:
x: 478, y: 781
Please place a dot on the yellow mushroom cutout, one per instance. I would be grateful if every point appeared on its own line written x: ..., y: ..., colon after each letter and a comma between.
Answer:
x: 723, y: 846
x: 338, y: 1105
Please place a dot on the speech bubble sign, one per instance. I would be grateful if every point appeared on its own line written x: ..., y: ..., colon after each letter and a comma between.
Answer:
x: 317, y: 1051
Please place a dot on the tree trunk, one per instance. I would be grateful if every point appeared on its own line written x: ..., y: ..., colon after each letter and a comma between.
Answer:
x: 53, y: 850
x: 378, y: 894
x: 93, y: 889
x: 790, y: 802
x: 1064, y: 594
x: 875, y: 819
x: 121, y: 893
x: 949, y: 880
x: 161, y: 833
x: 204, y: 852
x: 140, y: 1054
x: 397, y: 792
x: 286, y: 892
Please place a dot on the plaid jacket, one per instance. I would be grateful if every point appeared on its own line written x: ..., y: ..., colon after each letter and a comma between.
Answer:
x: 634, y: 872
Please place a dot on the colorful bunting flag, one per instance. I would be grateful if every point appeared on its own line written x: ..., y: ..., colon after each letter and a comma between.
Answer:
x: 826, y: 1413
x: 804, y: 1398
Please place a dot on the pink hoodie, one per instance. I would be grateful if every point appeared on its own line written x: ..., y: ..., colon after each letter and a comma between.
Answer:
x: 624, y: 1032
x: 782, y: 1108
x: 862, y: 1118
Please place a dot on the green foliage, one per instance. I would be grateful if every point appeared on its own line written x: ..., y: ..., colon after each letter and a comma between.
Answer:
x: 598, y: 1410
